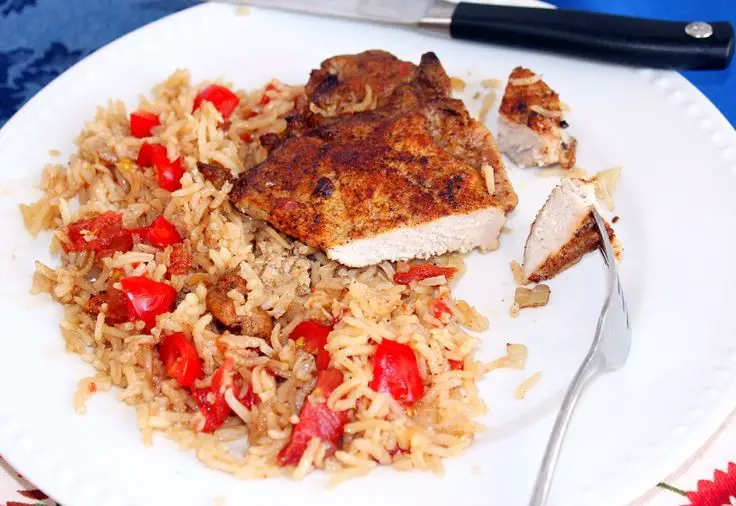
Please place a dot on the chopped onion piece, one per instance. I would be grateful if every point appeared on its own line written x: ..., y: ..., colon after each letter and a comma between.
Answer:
x: 606, y: 183
x: 517, y: 272
x: 532, y: 297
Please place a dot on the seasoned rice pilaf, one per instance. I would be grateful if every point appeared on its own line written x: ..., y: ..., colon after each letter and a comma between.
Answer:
x: 393, y: 382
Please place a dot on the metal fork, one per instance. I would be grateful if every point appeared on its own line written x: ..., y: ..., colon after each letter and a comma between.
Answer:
x: 608, y: 352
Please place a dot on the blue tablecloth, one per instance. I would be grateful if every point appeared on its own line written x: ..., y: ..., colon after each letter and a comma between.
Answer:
x: 39, y: 39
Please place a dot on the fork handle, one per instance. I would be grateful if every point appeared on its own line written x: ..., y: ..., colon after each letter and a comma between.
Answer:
x: 588, y: 370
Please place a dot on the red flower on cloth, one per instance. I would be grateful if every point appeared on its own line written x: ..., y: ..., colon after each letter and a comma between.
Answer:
x: 33, y: 494
x: 718, y: 492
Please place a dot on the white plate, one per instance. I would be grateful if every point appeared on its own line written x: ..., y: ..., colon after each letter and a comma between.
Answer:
x: 632, y: 427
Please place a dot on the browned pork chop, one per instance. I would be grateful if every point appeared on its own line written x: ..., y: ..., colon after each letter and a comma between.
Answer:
x: 531, y: 126
x: 405, y: 173
x: 563, y: 231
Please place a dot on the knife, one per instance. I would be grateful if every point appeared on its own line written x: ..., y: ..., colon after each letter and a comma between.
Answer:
x: 620, y: 39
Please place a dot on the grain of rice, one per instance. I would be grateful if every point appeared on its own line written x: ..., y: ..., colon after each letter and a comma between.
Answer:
x: 527, y: 385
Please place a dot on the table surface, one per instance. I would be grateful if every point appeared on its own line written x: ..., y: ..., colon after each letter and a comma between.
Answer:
x: 39, y: 40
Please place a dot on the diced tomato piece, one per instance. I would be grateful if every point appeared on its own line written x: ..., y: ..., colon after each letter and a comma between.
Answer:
x: 180, y: 260
x: 159, y: 233
x: 145, y: 154
x: 439, y: 307
x: 211, y: 401
x: 246, y: 137
x: 180, y: 359
x: 222, y: 98
x: 148, y: 298
x: 265, y: 99
x: 119, y: 309
x: 142, y: 122
x: 103, y: 234
x: 456, y: 365
x: 249, y: 398
x: 315, y: 338
x: 168, y: 173
x: 314, y: 334
x: 423, y: 271
x: 316, y: 420
x: 395, y: 372
x: 322, y: 359
x: 327, y: 381
x: 271, y: 87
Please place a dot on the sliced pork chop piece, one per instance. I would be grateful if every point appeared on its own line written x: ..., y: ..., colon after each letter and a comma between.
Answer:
x: 394, y: 195
x: 531, y: 126
x: 257, y: 323
x: 563, y: 231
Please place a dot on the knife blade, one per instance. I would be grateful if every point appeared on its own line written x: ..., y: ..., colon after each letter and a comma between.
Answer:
x: 694, y: 45
x: 406, y: 12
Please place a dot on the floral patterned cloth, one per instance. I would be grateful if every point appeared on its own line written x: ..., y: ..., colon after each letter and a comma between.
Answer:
x: 39, y: 39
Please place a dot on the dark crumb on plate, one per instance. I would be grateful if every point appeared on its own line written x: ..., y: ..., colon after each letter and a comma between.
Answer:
x: 615, y: 219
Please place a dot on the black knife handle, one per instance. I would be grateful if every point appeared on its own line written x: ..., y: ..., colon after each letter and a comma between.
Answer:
x: 620, y: 39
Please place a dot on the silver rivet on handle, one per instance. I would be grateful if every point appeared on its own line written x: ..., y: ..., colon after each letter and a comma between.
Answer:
x: 699, y: 30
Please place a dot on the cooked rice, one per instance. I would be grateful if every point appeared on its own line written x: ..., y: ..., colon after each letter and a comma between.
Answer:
x: 527, y: 385
x: 286, y: 278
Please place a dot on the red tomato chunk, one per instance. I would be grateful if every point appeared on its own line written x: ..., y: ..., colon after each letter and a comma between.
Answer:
x: 180, y: 358
x: 148, y: 298
x: 423, y: 271
x: 315, y: 338
x: 142, y: 122
x: 224, y: 100
x: 439, y: 307
x: 395, y: 372
x: 104, y: 235
x: 168, y: 173
x: 316, y: 420
x: 456, y: 365
x: 211, y: 401
x: 159, y: 233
